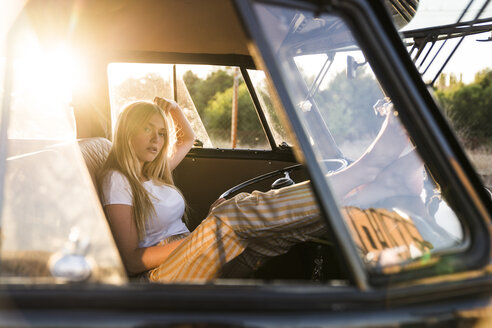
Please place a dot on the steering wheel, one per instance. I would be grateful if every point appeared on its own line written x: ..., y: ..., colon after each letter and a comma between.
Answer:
x: 332, y: 165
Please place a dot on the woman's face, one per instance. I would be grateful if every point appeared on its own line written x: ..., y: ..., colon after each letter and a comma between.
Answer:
x: 149, y: 139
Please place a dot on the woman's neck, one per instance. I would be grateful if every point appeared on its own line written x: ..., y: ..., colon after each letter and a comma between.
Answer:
x: 141, y: 176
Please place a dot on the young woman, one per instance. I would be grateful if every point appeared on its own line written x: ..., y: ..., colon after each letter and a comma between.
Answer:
x: 145, y: 210
x: 139, y: 197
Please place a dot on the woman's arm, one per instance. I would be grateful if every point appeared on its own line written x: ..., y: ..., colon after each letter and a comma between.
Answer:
x: 135, y: 259
x: 184, y: 133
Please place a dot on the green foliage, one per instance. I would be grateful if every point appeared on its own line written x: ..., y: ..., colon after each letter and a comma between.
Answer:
x: 219, y: 110
x: 469, y: 107
x: 213, y: 99
x: 203, y: 90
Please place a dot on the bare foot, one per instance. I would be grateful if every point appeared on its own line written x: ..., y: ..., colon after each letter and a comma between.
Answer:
x: 389, y: 143
x: 403, y: 177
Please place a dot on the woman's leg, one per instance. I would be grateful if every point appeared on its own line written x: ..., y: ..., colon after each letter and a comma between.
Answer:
x: 264, y: 224
x: 267, y: 223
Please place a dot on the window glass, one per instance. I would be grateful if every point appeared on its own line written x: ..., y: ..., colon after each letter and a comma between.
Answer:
x: 208, y: 95
x: 435, y: 13
x: 391, y: 204
x: 278, y: 129
x: 40, y: 106
x: 130, y: 82
x: 224, y: 104
x: 53, y: 228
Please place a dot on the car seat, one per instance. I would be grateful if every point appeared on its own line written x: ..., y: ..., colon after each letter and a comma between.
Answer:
x: 94, y: 151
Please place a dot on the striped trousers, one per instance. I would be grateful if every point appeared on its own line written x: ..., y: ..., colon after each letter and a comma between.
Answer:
x: 257, y: 226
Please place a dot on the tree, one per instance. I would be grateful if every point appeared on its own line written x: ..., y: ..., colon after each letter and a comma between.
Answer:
x: 469, y: 108
x: 218, y: 112
x: 212, y: 97
x: 347, y: 106
x: 203, y: 90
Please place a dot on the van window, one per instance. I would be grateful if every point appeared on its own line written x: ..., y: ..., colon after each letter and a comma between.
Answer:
x: 215, y: 100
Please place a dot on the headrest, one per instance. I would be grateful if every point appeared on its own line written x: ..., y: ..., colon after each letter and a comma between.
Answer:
x: 95, y: 151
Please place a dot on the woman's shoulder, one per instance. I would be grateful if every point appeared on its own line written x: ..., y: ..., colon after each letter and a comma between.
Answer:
x: 115, y: 188
x: 114, y: 177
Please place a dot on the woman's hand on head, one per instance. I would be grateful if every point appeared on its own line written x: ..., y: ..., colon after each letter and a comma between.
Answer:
x: 167, y: 105
x: 184, y: 132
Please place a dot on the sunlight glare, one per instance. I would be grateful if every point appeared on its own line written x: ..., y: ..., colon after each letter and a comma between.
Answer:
x: 48, y: 73
x: 41, y: 99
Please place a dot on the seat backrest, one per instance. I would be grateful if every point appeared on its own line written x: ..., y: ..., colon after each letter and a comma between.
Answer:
x: 95, y: 151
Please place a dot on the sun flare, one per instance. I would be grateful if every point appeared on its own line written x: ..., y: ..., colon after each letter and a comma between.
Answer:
x: 43, y: 80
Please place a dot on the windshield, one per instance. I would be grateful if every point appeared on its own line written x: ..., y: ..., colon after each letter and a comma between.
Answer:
x: 449, y: 37
x: 396, y: 216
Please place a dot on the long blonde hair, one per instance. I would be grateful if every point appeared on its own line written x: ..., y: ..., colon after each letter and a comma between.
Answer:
x: 122, y: 158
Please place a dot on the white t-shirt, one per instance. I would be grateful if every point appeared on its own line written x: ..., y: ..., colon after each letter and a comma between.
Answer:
x: 168, y: 203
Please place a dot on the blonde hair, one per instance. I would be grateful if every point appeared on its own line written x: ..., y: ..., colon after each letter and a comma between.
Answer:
x: 123, y: 158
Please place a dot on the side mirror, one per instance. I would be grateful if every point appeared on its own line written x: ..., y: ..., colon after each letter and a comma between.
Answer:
x: 352, y: 66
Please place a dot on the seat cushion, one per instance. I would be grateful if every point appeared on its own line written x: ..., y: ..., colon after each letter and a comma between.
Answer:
x: 95, y: 151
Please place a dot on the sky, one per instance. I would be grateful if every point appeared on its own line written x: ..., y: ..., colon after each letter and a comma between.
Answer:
x: 472, y: 55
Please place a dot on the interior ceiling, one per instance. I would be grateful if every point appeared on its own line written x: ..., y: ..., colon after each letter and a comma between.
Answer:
x: 105, y: 27
x: 179, y: 26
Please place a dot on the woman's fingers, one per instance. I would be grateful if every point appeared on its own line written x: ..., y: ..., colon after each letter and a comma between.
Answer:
x: 165, y: 104
x: 162, y: 103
